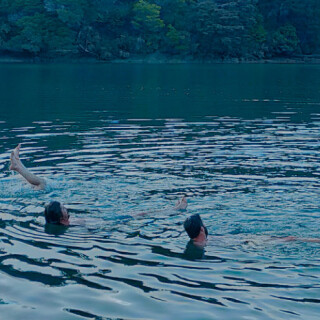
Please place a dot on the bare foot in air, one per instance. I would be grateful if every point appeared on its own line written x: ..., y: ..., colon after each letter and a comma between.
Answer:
x: 15, y: 160
x: 181, y: 204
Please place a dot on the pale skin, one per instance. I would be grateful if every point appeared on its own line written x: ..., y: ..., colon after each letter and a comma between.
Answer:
x: 181, y: 204
x: 39, y: 183
x: 36, y: 182
x: 65, y: 216
x: 201, y: 239
x: 292, y: 238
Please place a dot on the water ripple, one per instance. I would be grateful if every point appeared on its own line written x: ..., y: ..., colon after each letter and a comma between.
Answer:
x: 252, y: 180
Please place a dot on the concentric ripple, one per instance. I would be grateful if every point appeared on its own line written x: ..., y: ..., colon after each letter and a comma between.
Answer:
x: 247, y: 160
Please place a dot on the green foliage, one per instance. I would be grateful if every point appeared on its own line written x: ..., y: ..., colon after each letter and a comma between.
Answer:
x: 72, y: 12
x: 223, y: 30
x: 257, y: 44
x: 259, y: 33
x: 39, y: 33
x: 303, y: 15
x: 4, y: 31
x: 115, y: 21
x: 23, y: 7
x: 285, y: 41
x: 177, y: 41
x: 147, y: 17
x: 177, y: 13
x: 206, y: 26
x: 147, y: 21
x: 108, y: 29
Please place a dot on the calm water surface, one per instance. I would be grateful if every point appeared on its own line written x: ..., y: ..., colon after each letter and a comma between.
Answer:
x: 241, y: 141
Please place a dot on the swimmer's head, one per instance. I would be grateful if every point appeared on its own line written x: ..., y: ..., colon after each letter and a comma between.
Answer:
x: 195, y: 227
x: 56, y: 213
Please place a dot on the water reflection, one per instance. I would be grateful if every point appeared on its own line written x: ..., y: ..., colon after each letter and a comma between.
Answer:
x: 194, y: 252
x: 243, y: 149
x: 55, y: 230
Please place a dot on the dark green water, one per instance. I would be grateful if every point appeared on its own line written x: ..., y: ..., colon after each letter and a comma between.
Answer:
x: 241, y: 141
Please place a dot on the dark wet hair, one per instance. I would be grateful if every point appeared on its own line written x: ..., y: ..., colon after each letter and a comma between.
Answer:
x: 53, y: 213
x: 193, y: 225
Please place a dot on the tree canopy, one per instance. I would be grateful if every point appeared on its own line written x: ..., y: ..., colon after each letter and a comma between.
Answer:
x: 119, y: 29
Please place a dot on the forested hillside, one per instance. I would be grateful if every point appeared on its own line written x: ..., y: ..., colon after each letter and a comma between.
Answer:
x: 193, y: 29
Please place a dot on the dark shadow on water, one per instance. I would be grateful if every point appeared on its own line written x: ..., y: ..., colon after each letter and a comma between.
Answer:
x: 83, y: 314
x: 56, y: 230
x: 193, y: 252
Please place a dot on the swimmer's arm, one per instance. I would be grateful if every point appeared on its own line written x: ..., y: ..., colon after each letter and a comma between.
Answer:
x: 180, y: 205
x: 292, y: 238
x: 315, y: 240
x: 16, y: 165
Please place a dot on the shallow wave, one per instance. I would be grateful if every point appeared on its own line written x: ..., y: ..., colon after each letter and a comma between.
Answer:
x: 253, y: 182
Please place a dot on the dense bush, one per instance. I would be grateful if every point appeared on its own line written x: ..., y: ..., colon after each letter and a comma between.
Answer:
x: 206, y: 29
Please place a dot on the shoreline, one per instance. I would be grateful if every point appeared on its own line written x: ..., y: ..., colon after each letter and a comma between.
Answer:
x: 156, y: 59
